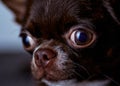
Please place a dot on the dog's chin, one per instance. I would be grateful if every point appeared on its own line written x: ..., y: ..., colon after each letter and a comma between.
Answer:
x: 48, y: 74
x: 51, y: 72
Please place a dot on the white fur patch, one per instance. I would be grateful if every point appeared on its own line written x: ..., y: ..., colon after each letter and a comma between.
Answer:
x: 73, y: 83
x: 59, y: 83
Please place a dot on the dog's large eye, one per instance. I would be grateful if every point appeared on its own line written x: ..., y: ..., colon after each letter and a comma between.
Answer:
x: 81, y: 38
x: 28, y: 42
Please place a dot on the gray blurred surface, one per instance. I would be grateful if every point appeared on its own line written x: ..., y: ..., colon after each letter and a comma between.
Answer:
x: 14, y: 61
x: 15, y: 70
x: 9, y: 30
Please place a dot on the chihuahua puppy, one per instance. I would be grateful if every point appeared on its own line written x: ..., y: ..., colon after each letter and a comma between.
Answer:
x: 72, y: 42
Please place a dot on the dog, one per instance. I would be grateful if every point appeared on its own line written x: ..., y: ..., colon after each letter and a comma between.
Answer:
x: 72, y: 42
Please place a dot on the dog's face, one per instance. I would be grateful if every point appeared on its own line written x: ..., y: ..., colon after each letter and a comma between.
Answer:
x: 71, y: 39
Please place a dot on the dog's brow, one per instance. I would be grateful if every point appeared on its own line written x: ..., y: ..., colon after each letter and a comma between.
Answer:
x: 24, y: 30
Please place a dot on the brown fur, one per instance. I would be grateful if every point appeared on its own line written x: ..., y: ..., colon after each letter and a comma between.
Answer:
x: 51, y: 22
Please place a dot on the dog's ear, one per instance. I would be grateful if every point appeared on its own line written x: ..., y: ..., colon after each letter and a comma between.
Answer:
x: 113, y: 8
x: 18, y: 7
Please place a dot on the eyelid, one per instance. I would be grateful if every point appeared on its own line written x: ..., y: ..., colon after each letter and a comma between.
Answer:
x: 24, y: 33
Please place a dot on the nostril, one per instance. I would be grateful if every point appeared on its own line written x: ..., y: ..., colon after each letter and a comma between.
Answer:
x: 47, y: 54
x: 45, y: 57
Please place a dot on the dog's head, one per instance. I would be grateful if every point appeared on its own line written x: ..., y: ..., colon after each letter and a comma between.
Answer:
x: 69, y: 39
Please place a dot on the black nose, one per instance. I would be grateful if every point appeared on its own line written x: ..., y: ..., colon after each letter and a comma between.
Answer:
x: 43, y: 56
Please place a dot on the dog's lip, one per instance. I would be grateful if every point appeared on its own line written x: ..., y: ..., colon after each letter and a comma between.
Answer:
x: 44, y: 75
x: 42, y: 72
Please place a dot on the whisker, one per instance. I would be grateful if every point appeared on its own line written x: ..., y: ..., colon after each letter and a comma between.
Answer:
x: 81, y: 67
x: 78, y: 74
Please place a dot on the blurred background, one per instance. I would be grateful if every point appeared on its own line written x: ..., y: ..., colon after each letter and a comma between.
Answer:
x: 14, y: 61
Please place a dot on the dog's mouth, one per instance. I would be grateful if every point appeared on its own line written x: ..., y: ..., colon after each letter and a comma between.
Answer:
x: 49, y: 73
x: 51, y: 69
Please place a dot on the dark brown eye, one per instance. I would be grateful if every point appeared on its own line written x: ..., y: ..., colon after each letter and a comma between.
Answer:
x: 27, y: 41
x: 81, y: 37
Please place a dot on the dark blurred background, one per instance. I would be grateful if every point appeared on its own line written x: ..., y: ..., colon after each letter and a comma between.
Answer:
x: 14, y: 61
